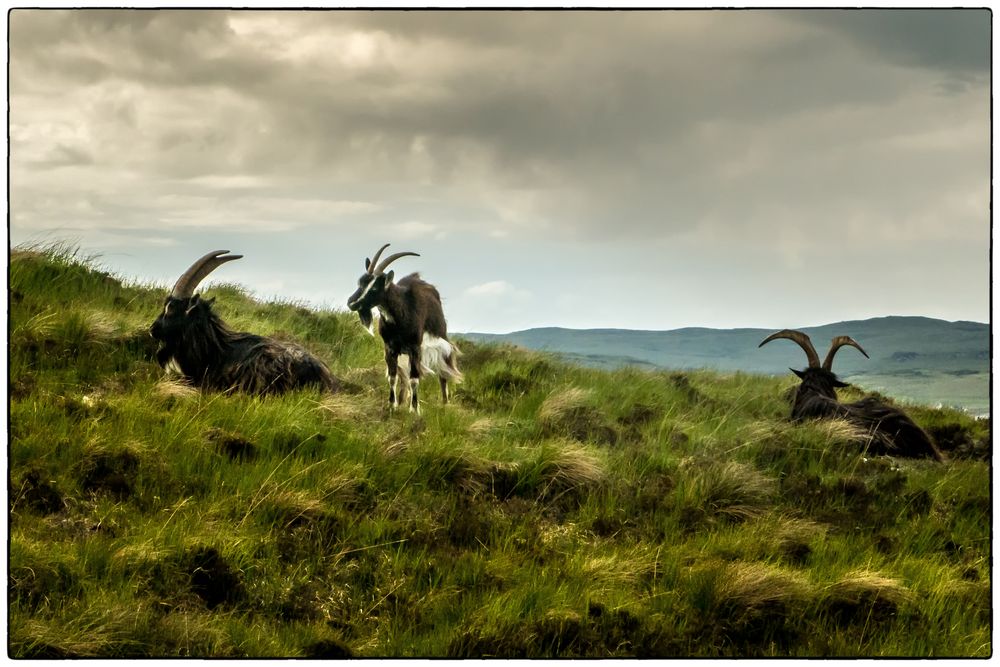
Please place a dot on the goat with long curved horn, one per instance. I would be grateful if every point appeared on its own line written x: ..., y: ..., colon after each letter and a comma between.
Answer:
x: 380, y: 269
x: 412, y: 326
x: 837, y: 343
x: 892, y: 431
x: 370, y: 263
x: 801, y: 339
x: 195, y: 340
x: 188, y: 282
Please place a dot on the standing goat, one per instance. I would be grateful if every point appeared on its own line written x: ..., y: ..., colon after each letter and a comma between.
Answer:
x: 213, y: 356
x: 411, y: 323
x: 893, y: 432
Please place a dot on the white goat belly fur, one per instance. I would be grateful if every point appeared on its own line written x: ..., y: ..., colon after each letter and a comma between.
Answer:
x: 433, y: 351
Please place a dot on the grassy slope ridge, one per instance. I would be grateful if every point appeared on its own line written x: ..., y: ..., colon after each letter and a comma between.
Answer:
x: 916, y: 359
x: 552, y: 510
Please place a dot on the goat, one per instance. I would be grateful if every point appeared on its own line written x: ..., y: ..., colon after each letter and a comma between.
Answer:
x: 893, y: 431
x: 411, y: 324
x: 194, y: 339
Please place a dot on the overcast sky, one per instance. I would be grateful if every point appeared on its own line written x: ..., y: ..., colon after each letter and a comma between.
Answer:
x: 631, y: 169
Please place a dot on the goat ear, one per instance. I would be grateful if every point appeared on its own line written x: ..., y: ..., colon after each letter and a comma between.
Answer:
x: 388, y: 277
x: 195, y: 300
x: 801, y: 374
x: 839, y: 384
x: 368, y: 263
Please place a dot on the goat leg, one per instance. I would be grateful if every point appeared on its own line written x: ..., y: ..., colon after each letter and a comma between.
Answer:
x: 414, y: 379
x: 391, y: 368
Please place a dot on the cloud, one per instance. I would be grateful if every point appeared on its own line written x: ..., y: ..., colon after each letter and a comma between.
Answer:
x: 957, y: 41
x: 805, y: 135
x: 492, y: 289
x: 543, y: 123
x: 415, y: 229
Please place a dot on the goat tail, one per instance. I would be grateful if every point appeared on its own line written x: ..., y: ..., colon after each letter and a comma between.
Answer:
x: 440, y: 356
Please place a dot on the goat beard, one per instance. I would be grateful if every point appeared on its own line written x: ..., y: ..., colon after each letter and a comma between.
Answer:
x: 367, y: 320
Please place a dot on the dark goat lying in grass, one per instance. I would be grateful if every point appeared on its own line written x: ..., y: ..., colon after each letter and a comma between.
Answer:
x: 211, y: 355
x: 411, y: 325
x: 892, y: 431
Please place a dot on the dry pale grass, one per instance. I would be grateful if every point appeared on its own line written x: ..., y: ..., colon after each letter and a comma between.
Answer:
x: 834, y: 431
x: 865, y: 587
x: 841, y: 431
x: 132, y: 556
x: 626, y: 567
x: 562, y: 402
x: 372, y: 378
x: 294, y: 505
x: 730, y: 489
x: 391, y: 449
x: 569, y: 466
x: 750, y: 587
x: 484, y: 426
x: 21, y: 254
x: 175, y: 389
x: 195, y: 635
x: 571, y: 412
x: 37, y: 327
x: 345, y: 407
x: 793, y: 537
x: 101, y: 328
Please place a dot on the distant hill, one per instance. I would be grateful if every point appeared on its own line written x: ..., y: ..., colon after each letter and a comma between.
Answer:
x: 917, y: 359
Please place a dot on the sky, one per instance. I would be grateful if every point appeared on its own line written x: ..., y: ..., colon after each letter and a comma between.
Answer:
x: 649, y: 169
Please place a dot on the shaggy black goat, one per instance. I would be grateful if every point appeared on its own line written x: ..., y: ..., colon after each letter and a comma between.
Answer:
x: 893, y: 432
x: 211, y: 355
x: 411, y: 323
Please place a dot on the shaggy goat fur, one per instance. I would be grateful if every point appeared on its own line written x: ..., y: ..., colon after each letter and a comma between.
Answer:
x: 210, y: 355
x: 892, y: 431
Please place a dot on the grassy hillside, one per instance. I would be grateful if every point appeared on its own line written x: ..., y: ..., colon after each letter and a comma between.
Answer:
x: 552, y: 510
x: 913, y: 359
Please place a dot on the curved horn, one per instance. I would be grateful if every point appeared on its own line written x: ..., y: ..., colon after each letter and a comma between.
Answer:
x: 836, y: 344
x: 374, y: 260
x: 389, y: 260
x: 188, y: 282
x: 801, y: 339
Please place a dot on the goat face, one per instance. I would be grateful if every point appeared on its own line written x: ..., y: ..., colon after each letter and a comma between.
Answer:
x: 186, y: 316
x: 817, y: 395
x: 372, y: 285
x: 180, y: 316
x: 370, y: 292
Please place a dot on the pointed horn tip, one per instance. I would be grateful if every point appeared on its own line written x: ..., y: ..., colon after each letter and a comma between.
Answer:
x: 222, y: 255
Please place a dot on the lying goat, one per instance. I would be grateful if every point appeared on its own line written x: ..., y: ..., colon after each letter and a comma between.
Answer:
x: 893, y: 432
x: 210, y: 355
x: 411, y: 324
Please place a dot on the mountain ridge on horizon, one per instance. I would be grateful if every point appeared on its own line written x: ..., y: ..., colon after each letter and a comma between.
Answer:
x: 912, y: 358
x: 555, y: 327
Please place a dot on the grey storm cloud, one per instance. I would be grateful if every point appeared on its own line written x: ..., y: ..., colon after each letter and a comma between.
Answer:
x: 807, y: 132
x: 527, y: 104
x: 957, y: 40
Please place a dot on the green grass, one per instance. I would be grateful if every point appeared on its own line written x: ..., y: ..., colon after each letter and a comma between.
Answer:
x: 550, y: 511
